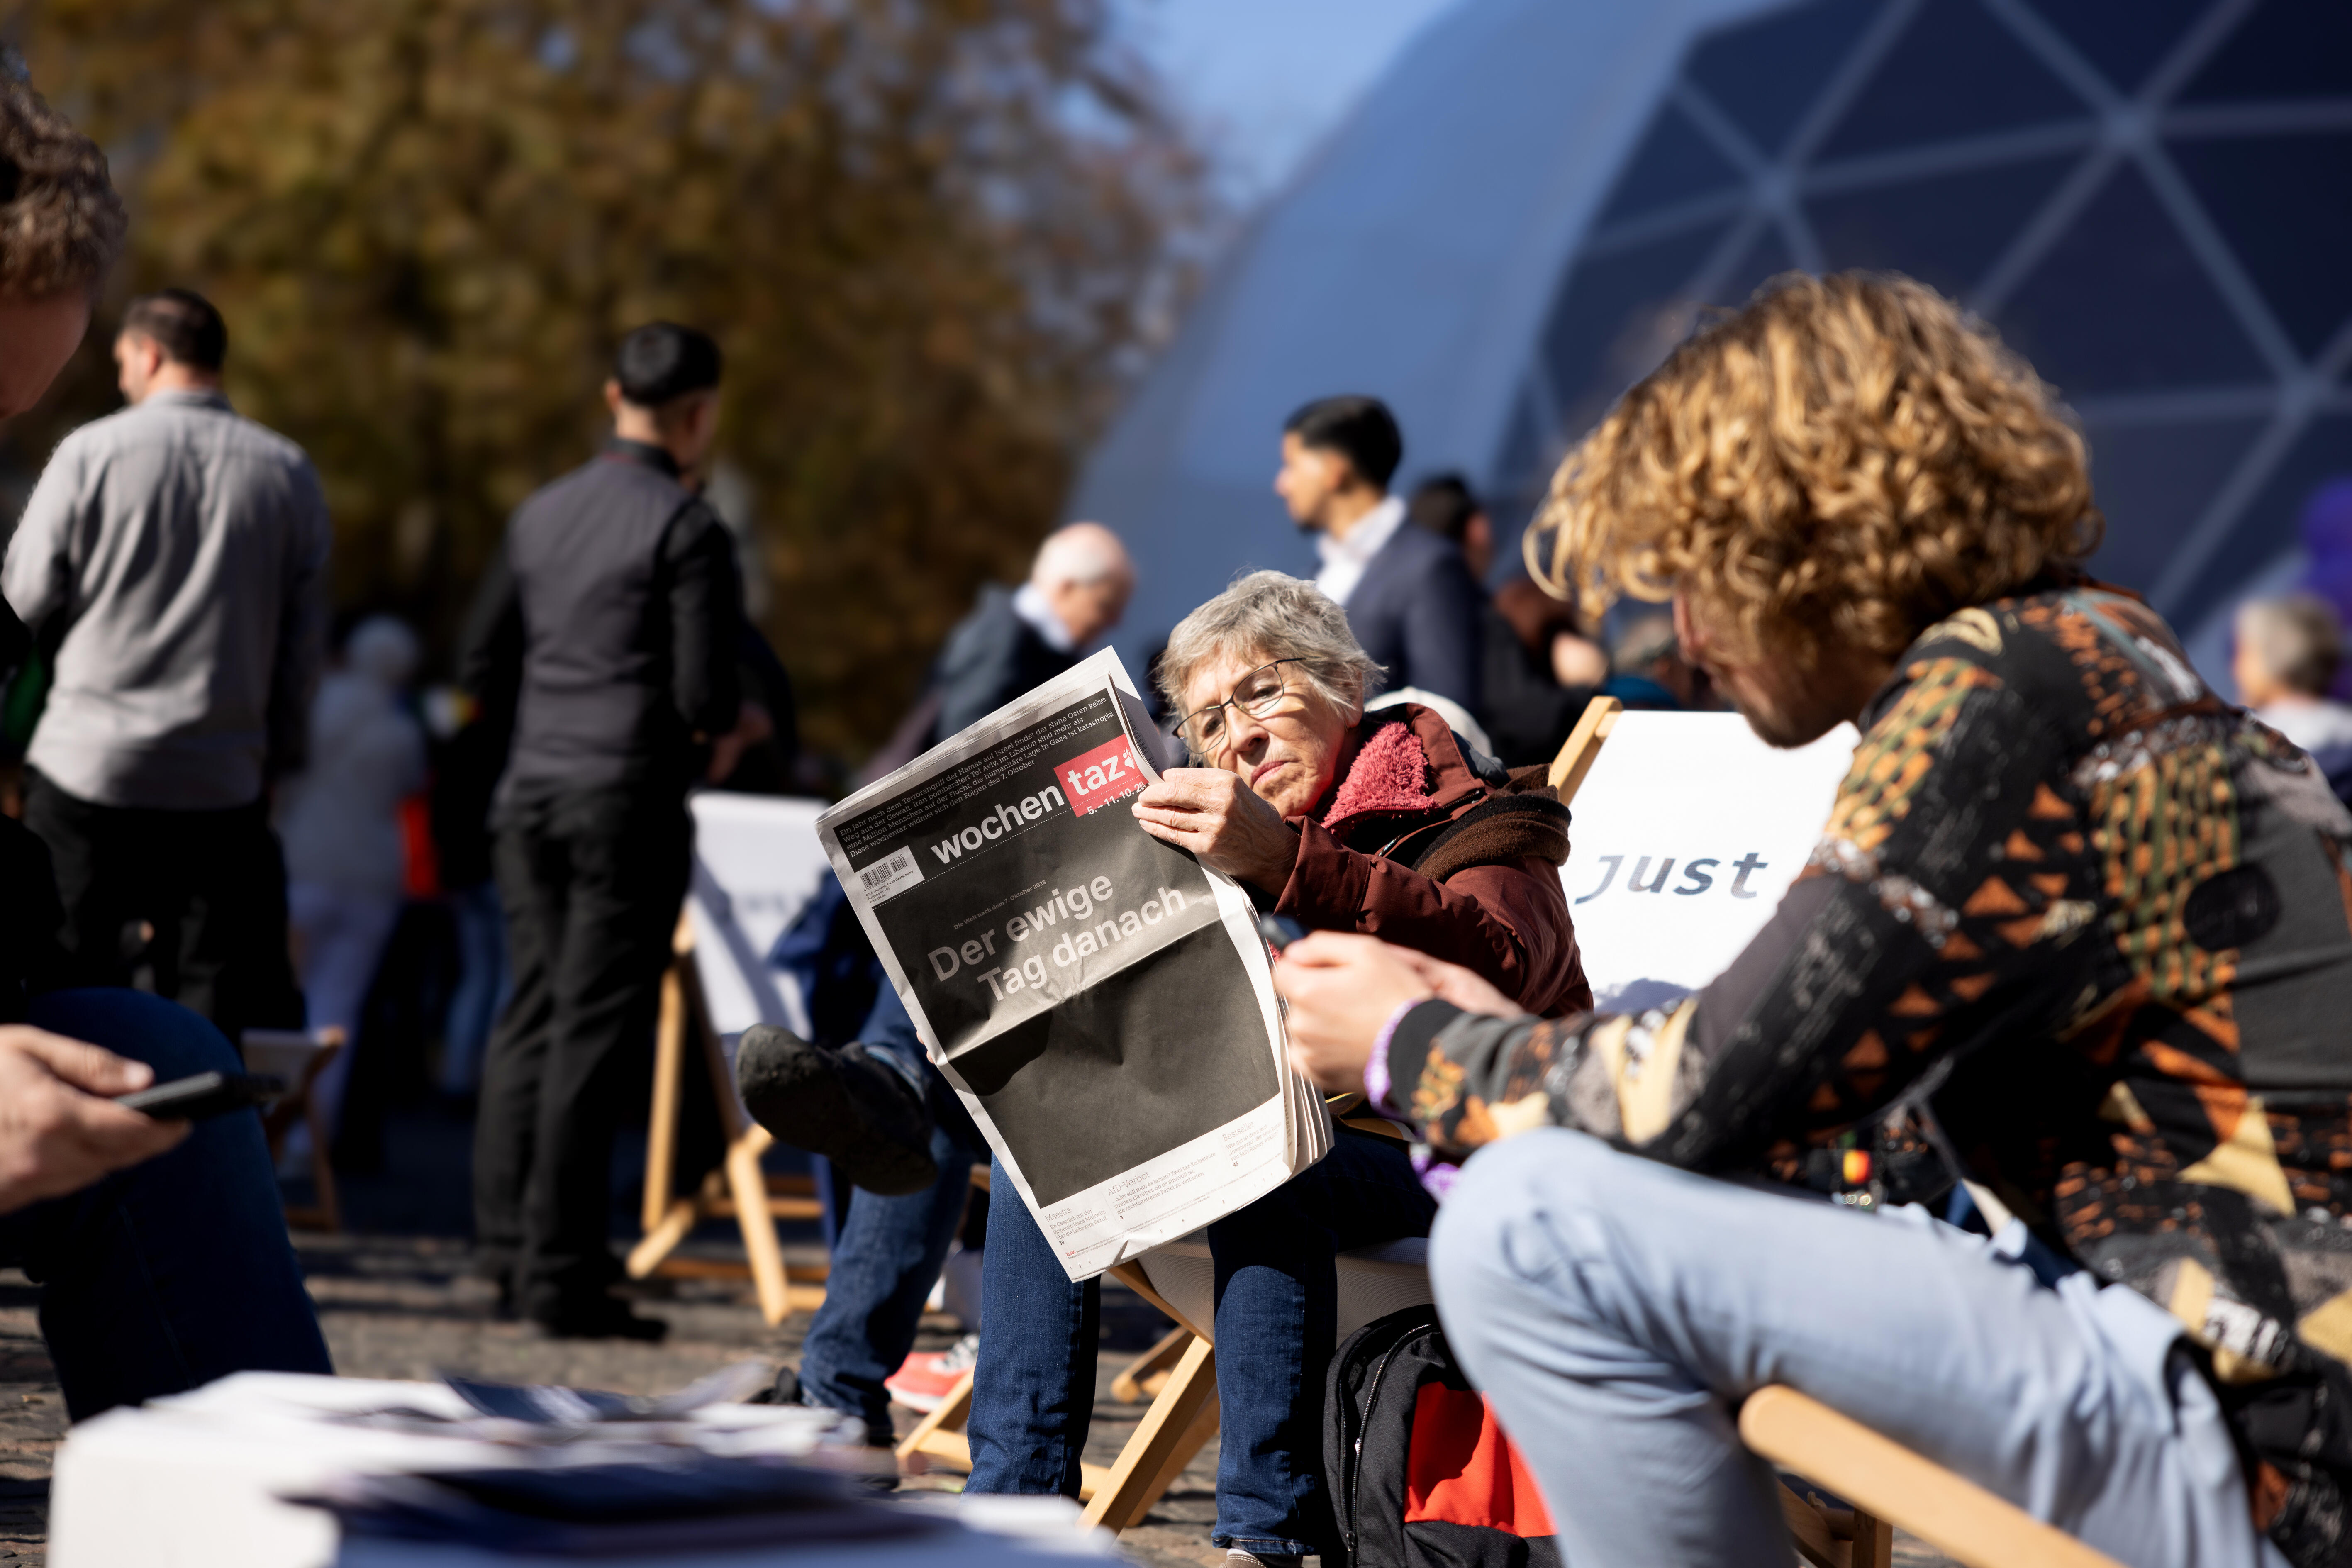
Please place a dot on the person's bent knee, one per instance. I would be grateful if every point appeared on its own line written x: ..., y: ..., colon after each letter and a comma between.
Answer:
x: 170, y: 1038
x: 1511, y: 1218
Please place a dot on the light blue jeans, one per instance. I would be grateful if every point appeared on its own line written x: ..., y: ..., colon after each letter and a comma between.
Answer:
x: 1616, y: 1310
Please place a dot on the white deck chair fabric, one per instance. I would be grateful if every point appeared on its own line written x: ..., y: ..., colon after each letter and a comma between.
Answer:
x: 757, y: 863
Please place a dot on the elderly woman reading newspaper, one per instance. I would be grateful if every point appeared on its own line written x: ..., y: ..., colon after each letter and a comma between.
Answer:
x: 1383, y: 823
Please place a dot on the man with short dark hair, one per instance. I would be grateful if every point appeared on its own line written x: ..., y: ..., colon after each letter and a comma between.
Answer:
x: 173, y: 563
x: 614, y: 616
x: 1410, y: 598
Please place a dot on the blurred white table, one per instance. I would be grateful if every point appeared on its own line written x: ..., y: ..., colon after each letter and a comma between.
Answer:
x: 195, y: 1481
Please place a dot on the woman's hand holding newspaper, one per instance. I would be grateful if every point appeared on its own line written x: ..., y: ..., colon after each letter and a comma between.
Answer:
x: 1343, y: 989
x: 1217, y: 816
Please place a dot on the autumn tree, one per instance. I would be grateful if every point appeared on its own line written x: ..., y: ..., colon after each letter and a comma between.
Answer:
x: 932, y: 235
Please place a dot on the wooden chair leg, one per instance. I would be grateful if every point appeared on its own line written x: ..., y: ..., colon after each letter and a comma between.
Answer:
x: 939, y: 1434
x: 661, y: 1127
x: 1147, y: 1375
x: 750, y: 1185
x: 1166, y: 1441
x: 329, y: 1207
x: 1889, y: 1484
x: 1872, y: 1545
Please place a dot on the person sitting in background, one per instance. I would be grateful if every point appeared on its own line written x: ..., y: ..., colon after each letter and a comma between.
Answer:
x: 2288, y: 652
x: 1016, y: 639
x: 1340, y: 820
x: 159, y: 1247
x: 2067, y: 904
x: 1410, y: 596
x: 1647, y: 670
x: 345, y: 861
x: 1538, y: 671
x: 876, y: 1108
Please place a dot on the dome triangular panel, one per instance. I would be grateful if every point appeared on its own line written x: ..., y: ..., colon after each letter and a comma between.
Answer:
x: 2266, y: 192
x: 1945, y: 230
x: 1954, y: 72
x: 1675, y: 163
x: 1765, y: 75
x: 2287, y: 48
x: 2124, y: 39
x: 2122, y: 245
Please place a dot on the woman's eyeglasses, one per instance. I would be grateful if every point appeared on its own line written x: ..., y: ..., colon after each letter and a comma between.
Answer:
x: 1257, y: 694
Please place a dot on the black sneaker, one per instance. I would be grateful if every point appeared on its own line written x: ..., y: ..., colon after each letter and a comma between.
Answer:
x: 861, y: 1115
x: 599, y: 1318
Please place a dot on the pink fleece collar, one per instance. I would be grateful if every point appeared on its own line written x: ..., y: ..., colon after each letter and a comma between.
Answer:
x: 1391, y: 776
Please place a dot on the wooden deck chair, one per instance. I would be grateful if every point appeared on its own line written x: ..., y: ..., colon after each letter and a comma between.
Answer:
x: 756, y: 864
x: 299, y: 1056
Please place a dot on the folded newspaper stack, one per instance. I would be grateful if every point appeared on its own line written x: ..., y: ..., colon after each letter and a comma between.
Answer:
x: 1101, y: 1001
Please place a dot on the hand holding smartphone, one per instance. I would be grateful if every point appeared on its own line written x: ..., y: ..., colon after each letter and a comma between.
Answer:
x: 202, y: 1095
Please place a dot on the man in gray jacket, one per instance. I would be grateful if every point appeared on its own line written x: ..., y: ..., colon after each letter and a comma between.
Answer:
x: 172, y: 566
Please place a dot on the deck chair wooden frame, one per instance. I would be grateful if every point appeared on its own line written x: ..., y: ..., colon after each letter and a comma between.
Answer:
x: 1183, y: 1417
x: 737, y: 1189
x: 272, y: 1051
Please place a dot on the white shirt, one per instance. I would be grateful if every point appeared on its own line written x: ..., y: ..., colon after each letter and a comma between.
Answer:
x: 1344, y: 560
x: 1030, y: 604
x: 2315, y: 724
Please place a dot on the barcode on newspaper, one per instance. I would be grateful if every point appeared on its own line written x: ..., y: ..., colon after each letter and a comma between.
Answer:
x: 889, y: 876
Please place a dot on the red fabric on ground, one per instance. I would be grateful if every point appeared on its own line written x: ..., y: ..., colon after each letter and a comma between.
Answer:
x: 1463, y: 1470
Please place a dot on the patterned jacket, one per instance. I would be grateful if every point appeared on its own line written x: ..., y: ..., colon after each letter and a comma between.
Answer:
x: 2094, y: 928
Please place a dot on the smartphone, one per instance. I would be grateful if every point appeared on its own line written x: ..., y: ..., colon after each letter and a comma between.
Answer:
x: 1279, y: 931
x: 203, y: 1095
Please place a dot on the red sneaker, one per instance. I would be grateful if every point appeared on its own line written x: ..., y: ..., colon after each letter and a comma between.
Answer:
x: 924, y: 1381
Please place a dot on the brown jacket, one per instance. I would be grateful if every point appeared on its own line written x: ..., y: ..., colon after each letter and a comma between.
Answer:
x: 1414, y: 846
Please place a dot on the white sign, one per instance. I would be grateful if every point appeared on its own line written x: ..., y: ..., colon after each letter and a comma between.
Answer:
x: 1686, y: 832
x: 757, y: 863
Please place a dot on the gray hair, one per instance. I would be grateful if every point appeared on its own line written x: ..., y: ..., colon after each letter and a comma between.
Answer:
x: 1268, y: 615
x: 2298, y: 639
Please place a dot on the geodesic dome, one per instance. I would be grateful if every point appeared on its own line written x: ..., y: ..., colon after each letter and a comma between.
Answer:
x: 2152, y: 199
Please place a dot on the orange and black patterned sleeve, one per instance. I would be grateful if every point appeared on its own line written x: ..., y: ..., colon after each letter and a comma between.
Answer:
x: 1946, y: 900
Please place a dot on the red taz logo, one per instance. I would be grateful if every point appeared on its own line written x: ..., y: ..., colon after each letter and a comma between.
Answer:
x: 1102, y: 775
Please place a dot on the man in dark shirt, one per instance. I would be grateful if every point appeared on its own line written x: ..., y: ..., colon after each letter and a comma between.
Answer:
x: 615, y: 614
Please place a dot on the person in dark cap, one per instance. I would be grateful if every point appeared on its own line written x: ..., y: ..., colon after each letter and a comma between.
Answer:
x: 612, y: 619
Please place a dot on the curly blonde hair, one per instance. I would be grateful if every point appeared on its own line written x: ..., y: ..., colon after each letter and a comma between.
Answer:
x: 1846, y: 460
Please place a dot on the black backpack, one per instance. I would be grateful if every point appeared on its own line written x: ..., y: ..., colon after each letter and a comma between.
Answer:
x: 1421, y: 1476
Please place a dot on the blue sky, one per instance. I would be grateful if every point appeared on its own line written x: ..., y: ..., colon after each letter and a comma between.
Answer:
x: 1265, y: 80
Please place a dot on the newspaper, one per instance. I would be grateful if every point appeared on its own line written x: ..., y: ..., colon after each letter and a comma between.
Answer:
x: 1101, y: 1002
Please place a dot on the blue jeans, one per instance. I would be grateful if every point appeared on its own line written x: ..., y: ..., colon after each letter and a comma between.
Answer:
x: 890, y: 1249
x: 163, y: 1277
x: 1615, y: 1311
x: 481, y: 988
x: 1277, y: 1305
